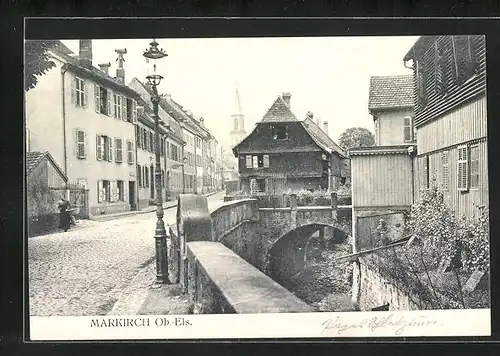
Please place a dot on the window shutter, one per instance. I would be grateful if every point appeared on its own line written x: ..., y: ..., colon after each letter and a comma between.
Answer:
x: 109, y: 95
x: 110, y: 149
x: 130, y: 152
x: 85, y: 94
x: 249, y: 161
x: 124, y: 108
x: 98, y: 150
x: 134, y: 111
x: 117, y: 155
x: 255, y: 162
x: 80, y: 143
x: 97, y: 98
x: 100, y: 191
x: 266, y: 161
x: 462, y: 169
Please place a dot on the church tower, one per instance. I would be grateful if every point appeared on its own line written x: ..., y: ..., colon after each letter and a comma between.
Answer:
x: 237, y: 132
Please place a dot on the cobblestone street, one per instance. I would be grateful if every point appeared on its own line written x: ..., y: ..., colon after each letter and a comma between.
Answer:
x: 84, y: 271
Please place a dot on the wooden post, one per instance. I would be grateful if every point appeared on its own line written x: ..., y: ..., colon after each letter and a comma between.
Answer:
x: 334, y: 205
x: 293, y: 209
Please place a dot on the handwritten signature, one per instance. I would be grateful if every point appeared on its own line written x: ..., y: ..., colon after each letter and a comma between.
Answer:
x: 397, y: 324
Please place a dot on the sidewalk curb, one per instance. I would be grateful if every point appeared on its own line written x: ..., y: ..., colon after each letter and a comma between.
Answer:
x: 107, y: 217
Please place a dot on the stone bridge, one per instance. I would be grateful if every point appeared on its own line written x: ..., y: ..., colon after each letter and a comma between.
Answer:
x: 271, y: 240
x: 231, y: 260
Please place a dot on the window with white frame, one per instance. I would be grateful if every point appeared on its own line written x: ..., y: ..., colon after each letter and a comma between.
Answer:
x: 80, y: 92
x: 104, y: 148
x: 117, y: 104
x: 463, y: 169
x: 102, y: 100
x: 407, y: 129
x: 474, y: 166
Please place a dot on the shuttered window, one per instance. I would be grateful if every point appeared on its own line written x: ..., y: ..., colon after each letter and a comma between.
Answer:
x: 445, y: 170
x: 117, y: 105
x: 107, y: 140
x: 137, y: 136
x: 119, y: 150
x: 407, y: 129
x: 474, y: 166
x: 99, y: 148
x: 463, y: 168
x: 80, y: 144
x: 139, y: 176
x: 130, y: 152
x: 266, y: 161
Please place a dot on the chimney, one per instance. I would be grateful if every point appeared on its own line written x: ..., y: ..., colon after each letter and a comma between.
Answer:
x: 325, y: 127
x: 120, y: 72
x: 286, y: 97
x: 202, y: 122
x: 105, y: 67
x: 85, y: 55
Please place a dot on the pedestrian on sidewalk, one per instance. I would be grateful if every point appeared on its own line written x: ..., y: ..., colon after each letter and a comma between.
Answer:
x: 64, y: 215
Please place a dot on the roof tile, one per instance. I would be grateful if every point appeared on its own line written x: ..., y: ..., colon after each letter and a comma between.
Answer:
x: 33, y: 159
x: 279, y: 112
x: 390, y: 92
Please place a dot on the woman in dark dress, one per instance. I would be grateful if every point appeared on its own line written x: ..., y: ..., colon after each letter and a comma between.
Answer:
x: 64, y: 216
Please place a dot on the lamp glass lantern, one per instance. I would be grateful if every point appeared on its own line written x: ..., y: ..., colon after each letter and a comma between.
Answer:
x: 152, y: 55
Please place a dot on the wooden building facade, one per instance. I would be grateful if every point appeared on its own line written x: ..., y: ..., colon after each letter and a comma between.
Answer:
x: 283, y: 153
x: 451, y: 119
x: 390, y: 172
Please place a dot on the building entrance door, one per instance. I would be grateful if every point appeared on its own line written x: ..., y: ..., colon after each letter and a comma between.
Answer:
x: 131, y: 195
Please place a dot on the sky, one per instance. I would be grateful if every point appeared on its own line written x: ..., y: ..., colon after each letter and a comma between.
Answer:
x: 328, y: 76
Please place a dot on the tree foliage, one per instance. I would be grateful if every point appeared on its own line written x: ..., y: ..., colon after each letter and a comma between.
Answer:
x: 356, y: 137
x: 36, y: 61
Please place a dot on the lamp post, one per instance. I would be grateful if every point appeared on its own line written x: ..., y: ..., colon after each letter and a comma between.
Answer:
x: 154, y: 79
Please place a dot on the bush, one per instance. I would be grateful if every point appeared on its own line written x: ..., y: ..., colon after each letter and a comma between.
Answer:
x: 439, y: 238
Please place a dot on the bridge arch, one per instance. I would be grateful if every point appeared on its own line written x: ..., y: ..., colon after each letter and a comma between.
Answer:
x: 288, y: 253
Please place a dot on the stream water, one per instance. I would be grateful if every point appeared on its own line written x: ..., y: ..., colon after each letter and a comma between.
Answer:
x: 324, y: 284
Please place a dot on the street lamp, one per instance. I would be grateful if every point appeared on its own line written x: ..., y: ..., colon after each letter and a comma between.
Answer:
x: 154, y: 79
x: 184, y: 161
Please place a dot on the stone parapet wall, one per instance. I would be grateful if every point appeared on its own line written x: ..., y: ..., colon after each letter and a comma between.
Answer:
x: 221, y: 282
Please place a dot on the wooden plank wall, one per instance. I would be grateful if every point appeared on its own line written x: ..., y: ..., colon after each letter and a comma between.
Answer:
x: 381, y: 180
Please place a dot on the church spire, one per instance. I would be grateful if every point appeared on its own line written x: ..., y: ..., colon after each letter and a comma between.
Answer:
x: 237, y: 132
x: 237, y: 103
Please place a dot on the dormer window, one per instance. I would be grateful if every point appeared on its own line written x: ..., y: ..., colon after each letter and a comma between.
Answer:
x: 279, y: 132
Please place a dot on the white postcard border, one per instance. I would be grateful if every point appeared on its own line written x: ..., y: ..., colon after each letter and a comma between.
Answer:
x: 441, y: 323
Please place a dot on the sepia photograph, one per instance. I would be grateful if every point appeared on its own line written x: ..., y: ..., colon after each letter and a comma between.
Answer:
x: 280, y: 186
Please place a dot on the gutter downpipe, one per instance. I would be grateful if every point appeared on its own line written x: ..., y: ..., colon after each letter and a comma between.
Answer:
x: 64, y: 68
